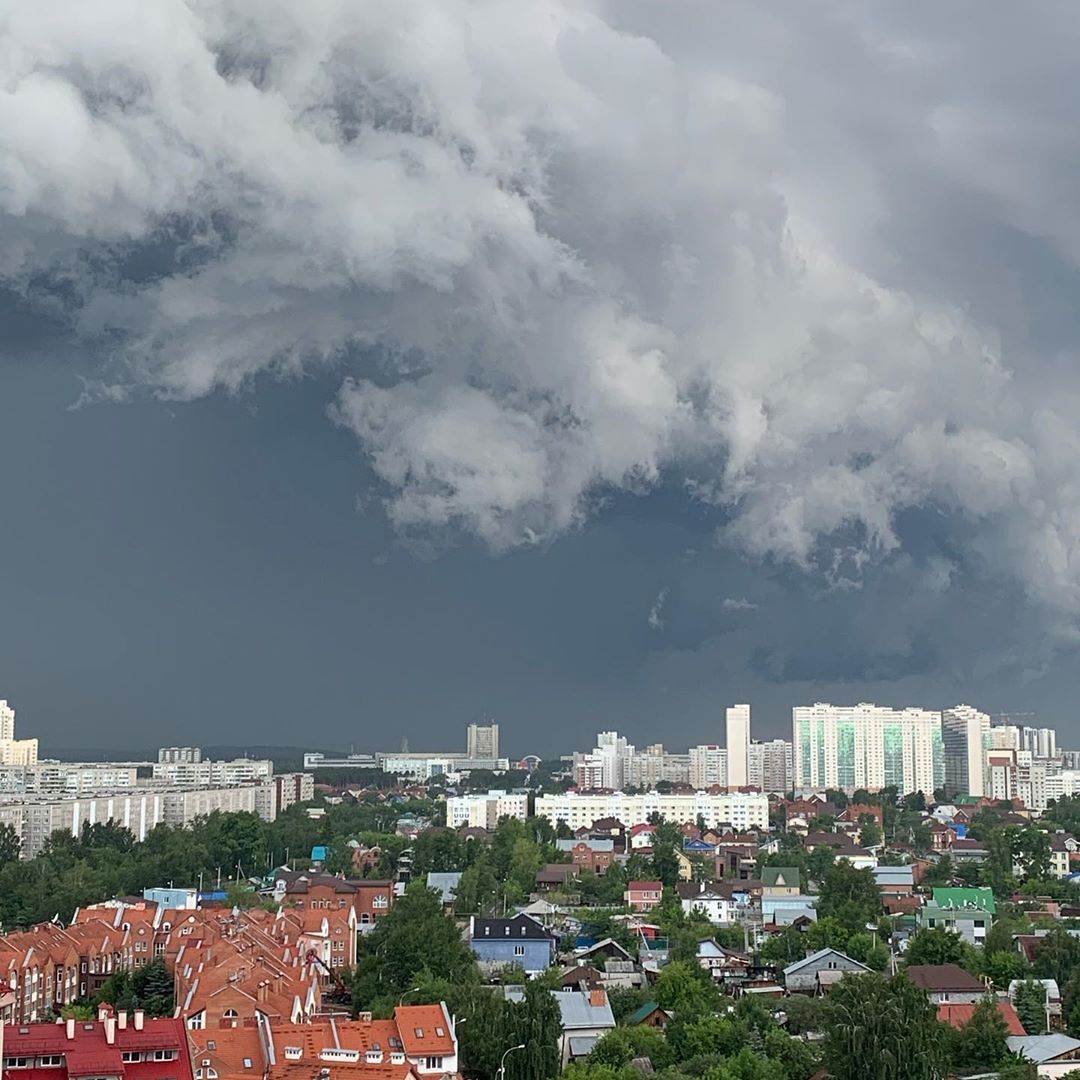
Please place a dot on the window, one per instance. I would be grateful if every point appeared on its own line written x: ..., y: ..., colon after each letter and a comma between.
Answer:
x: 129, y: 1056
x: 16, y: 1063
x: 419, y: 1032
x: 164, y: 1055
x: 519, y: 950
x: 211, y: 1045
x: 440, y: 1032
x: 247, y: 1063
x: 434, y: 1062
x: 230, y: 1014
x: 51, y: 1061
x: 379, y: 902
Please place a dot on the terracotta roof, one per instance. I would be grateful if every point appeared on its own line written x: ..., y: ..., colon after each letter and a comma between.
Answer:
x: 425, y: 1030
x: 958, y: 1015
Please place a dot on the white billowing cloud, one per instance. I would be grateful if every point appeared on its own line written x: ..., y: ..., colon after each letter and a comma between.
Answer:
x: 578, y: 256
x: 656, y: 612
x: 737, y: 603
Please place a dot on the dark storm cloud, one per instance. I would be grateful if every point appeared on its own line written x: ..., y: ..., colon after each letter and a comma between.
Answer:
x: 806, y: 270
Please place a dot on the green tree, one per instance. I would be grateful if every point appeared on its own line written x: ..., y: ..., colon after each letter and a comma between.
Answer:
x: 938, y: 946
x: 1030, y: 1001
x: 980, y: 1044
x: 415, y: 936
x: 10, y: 843
x: 537, y: 1023
x: 1057, y: 956
x: 153, y: 988
x: 883, y: 1029
x: 851, y: 896
x: 869, y: 831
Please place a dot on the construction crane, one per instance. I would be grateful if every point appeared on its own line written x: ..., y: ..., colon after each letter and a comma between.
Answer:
x: 313, y: 958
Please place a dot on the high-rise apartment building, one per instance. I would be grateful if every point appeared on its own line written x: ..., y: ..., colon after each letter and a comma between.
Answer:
x: 14, y: 751
x: 867, y: 746
x: 708, y: 767
x: 648, y: 767
x: 965, y: 736
x: 482, y: 741
x: 738, y: 745
x: 7, y: 722
x: 1040, y: 742
x: 769, y: 766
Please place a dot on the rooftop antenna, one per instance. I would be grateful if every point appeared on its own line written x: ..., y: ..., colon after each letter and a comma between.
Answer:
x: 404, y: 744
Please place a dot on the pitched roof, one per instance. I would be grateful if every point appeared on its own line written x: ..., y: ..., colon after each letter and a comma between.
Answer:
x: 957, y: 1016
x: 817, y: 957
x: 788, y: 876
x: 981, y: 899
x: 584, y: 1008
x: 940, y: 977
x: 1042, y: 1048
x: 520, y: 926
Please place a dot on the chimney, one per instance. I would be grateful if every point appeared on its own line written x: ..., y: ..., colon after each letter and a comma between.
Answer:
x: 139, y: 1017
x: 121, y: 1019
x: 597, y: 998
x: 110, y: 1030
x: 71, y: 1027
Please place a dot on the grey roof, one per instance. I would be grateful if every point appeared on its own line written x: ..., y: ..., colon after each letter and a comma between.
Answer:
x: 1040, y: 1048
x: 786, y: 914
x: 445, y: 883
x: 581, y: 1045
x: 820, y: 955
x: 592, y: 845
x: 893, y: 875
x: 578, y: 1011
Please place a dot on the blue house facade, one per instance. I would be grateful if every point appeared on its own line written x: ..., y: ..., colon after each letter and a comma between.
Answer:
x: 517, y: 942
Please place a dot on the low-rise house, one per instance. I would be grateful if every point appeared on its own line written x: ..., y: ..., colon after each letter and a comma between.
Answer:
x: 804, y: 976
x: 947, y: 983
x: 643, y: 895
x: 894, y: 881
x: 1053, y: 1055
x: 1064, y: 854
x: 556, y: 877
x: 966, y: 850
x: 718, y: 901
x: 128, y: 1046
x: 586, y: 1018
x: 419, y: 1042
x: 445, y: 884
x: 724, y: 965
x: 781, y: 881
x: 957, y: 1016
x: 649, y: 1015
x: 517, y: 942
x: 589, y: 854
x: 968, y: 912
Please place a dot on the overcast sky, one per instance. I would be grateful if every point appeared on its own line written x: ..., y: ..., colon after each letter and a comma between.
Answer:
x: 367, y: 369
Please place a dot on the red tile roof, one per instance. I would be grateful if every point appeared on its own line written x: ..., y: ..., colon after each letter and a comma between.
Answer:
x: 958, y: 1015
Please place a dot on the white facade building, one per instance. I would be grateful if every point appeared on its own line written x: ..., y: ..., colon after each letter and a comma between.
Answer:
x: 769, y: 767
x: 1040, y: 742
x: 14, y: 751
x: 867, y: 746
x: 708, y: 766
x: 484, y: 811
x: 964, y: 734
x: 580, y: 809
x: 738, y: 745
x: 482, y: 741
x: 649, y: 766
x: 213, y: 773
